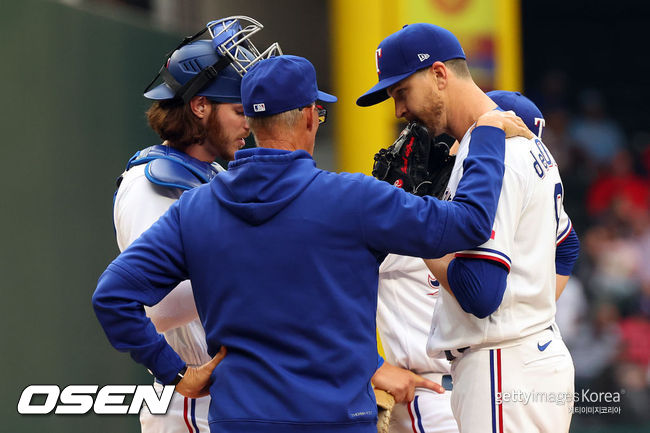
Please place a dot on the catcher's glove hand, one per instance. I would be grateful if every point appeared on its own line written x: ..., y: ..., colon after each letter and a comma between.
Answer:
x: 415, y: 163
x: 385, y: 404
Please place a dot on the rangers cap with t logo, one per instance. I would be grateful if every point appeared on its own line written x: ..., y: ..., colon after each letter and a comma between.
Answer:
x: 403, y: 53
x: 522, y: 106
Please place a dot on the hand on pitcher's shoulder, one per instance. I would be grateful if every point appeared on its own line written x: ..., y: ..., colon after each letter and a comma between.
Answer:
x: 508, y: 121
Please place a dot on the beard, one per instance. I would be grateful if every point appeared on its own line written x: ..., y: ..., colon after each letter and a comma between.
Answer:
x: 431, y: 117
x: 224, y: 145
x: 215, y: 130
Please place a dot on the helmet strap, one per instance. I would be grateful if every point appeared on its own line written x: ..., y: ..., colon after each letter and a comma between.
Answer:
x: 170, y: 79
x: 186, y: 91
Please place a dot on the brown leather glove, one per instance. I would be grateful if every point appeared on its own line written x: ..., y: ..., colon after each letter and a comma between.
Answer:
x: 385, y: 404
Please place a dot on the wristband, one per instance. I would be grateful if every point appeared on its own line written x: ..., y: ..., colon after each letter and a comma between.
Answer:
x: 179, y: 376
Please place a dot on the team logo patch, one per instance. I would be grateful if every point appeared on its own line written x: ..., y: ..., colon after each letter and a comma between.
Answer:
x: 423, y: 56
x: 258, y: 108
x: 434, y: 284
x: 398, y: 183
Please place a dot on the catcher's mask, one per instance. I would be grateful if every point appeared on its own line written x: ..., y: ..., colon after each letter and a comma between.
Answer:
x: 211, y: 68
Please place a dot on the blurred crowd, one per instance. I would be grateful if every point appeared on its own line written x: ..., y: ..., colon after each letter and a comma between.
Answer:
x: 604, y: 313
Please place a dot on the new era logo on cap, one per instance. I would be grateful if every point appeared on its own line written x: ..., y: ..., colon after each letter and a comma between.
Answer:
x: 423, y: 56
x: 258, y: 108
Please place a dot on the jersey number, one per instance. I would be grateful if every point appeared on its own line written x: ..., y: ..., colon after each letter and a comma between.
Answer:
x: 559, y: 194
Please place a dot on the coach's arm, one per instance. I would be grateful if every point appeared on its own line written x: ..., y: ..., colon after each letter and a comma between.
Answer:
x: 394, y: 221
x: 143, y: 275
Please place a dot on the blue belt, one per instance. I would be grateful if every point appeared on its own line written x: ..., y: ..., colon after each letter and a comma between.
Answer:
x: 446, y: 382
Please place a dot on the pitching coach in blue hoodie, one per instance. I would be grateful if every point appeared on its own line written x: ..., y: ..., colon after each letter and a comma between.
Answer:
x: 283, y: 259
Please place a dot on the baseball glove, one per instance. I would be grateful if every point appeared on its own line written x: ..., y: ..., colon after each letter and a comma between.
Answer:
x: 415, y: 163
x: 385, y: 403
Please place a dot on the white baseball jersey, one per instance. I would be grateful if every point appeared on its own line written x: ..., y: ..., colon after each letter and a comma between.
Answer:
x: 407, y: 296
x: 408, y: 293
x: 530, y: 222
x: 138, y: 204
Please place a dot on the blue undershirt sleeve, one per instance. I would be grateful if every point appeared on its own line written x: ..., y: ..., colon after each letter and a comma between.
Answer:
x: 477, y: 284
x: 566, y: 254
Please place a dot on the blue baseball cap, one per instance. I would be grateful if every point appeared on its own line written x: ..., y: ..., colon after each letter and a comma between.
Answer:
x: 280, y: 84
x: 405, y: 52
x: 522, y: 106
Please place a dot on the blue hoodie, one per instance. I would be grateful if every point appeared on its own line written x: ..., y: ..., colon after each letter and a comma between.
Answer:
x: 283, y: 259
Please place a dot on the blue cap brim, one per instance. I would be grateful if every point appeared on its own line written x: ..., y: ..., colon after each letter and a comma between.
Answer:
x: 377, y: 93
x: 326, y: 97
x: 164, y: 92
x: 161, y: 91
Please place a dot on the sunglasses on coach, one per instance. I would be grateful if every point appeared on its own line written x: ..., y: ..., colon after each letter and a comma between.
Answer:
x: 322, y: 113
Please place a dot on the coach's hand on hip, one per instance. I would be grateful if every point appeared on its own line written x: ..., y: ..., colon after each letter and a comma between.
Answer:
x: 196, y: 382
x: 507, y: 121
